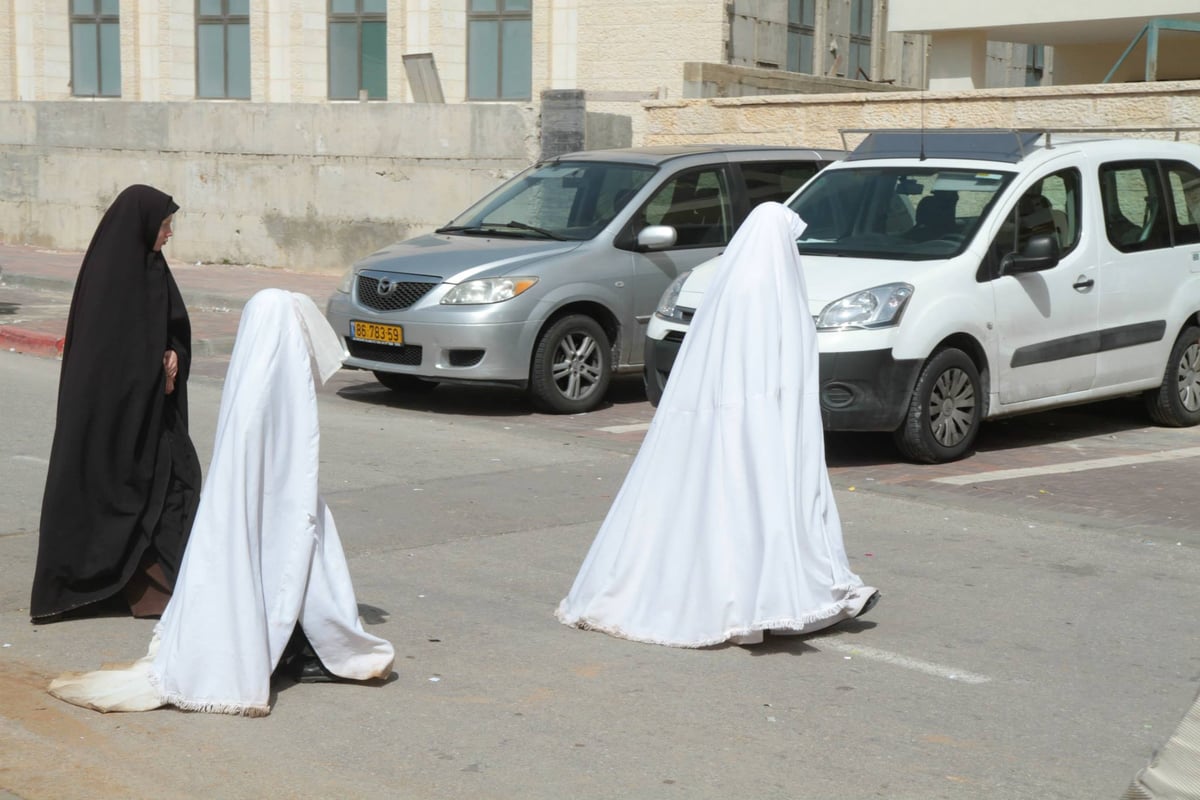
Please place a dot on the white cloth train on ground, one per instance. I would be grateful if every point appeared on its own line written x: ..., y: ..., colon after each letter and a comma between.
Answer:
x: 726, y: 524
x: 264, y: 553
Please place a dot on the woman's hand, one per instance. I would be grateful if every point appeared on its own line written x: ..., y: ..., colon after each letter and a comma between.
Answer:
x: 171, y: 368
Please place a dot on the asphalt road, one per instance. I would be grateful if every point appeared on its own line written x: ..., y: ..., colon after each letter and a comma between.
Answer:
x: 1036, y: 637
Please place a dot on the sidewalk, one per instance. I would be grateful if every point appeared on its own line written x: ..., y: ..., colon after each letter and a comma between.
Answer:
x: 36, y: 287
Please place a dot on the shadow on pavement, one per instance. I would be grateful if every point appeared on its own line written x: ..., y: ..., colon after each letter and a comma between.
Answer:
x: 466, y: 400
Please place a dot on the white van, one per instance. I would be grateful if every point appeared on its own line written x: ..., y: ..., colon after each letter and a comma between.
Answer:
x: 957, y: 276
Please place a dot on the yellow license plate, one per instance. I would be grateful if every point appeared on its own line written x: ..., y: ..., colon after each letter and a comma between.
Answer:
x: 374, y: 332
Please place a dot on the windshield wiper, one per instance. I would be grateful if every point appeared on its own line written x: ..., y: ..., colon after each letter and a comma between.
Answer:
x: 497, y: 228
x: 526, y: 227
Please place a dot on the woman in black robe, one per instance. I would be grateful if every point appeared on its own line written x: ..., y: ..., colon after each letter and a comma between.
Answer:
x: 124, y: 478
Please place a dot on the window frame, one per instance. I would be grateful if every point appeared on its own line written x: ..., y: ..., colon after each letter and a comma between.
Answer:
x: 95, y: 19
x: 799, y: 30
x: 500, y: 15
x: 358, y: 17
x: 859, y: 41
x: 224, y: 19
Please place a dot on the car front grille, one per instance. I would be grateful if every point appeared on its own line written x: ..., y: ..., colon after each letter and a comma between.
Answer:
x: 383, y: 292
x: 409, y: 354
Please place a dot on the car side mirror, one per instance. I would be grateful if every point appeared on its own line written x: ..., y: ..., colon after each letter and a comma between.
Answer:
x: 656, y: 237
x: 1040, y: 252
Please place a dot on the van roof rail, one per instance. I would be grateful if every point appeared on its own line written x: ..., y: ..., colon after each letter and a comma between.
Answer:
x: 1009, y: 145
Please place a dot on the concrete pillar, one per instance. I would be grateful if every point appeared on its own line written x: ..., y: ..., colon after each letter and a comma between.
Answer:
x: 563, y: 121
x: 958, y: 61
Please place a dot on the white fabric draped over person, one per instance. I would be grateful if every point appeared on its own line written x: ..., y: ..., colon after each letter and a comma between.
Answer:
x: 264, y: 552
x: 726, y: 524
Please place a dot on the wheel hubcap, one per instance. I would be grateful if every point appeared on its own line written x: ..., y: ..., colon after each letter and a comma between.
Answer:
x: 1189, y: 380
x: 577, y: 365
x: 952, y: 407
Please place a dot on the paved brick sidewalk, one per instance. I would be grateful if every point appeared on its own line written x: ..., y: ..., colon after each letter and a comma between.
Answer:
x: 36, y: 286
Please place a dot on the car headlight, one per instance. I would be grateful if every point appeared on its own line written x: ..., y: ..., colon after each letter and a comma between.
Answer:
x: 666, y: 306
x: 347, y: 281
x: 878, y: 307
x: 486, y: 290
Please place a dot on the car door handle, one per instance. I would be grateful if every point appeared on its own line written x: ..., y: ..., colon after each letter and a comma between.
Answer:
x: 1082, y: 283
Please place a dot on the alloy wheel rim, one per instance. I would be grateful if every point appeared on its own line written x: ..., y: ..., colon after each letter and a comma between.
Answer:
x: 577, y: 365
x: 952, y: 407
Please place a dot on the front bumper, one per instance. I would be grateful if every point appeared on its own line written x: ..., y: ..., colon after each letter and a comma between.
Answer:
x: 866, y: 390
x: 486, y: 352
x: 659, y: 357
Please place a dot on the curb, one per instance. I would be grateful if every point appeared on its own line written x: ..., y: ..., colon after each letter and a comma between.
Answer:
x: 46, y: 345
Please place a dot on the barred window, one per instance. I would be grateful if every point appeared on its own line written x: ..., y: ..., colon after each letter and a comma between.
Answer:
x: 357, y: 49
x: 801, y: 34
x: 499, y: 50
x: 95, y: 48
x: 223, y: 48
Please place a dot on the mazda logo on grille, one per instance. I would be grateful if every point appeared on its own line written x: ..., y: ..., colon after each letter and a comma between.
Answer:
x: 385, y: 287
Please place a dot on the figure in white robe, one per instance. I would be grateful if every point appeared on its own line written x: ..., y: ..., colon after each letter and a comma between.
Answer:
x: 264, y: 553
x: 726, y: 525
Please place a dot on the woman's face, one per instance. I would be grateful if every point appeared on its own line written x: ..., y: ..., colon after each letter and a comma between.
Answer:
x: 164, y: 232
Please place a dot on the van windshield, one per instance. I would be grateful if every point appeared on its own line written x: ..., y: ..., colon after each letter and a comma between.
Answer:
x: 905, y: 213
x: 567, y: 200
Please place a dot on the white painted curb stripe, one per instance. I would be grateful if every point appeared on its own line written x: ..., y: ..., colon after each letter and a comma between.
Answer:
x: 895, y: 659
x: 1071, y: 466
x: 641, y: 426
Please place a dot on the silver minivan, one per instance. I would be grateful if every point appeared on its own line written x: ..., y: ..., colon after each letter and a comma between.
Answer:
x: 549, y: 281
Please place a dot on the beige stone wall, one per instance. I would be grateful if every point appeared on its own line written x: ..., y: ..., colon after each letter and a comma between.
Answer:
x: 631, y: 51
x: 814, y: 120
x: 302, y: 185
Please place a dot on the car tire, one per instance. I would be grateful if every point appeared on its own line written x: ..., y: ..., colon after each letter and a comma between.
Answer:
x: 404, y: 383
x: 1176, y: 403
x: 572, y: 366
x: 945, y: 410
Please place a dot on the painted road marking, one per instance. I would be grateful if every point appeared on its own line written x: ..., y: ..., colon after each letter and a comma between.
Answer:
x: 916, y: 664
x: 641, y: 426
x: 33, y: 459
x: 1071, y: 466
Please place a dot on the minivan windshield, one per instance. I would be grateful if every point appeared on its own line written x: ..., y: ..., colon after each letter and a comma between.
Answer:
x: 563, y: 200
x: 906, y: 213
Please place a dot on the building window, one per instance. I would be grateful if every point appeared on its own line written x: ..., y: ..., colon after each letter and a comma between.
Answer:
x: 801, y: 34
x: 859, y: 63
x: 95, y: 48
x: 1035, y: 64
x: 357, y: 49
x: 499, y: 50
x: 223, y: 48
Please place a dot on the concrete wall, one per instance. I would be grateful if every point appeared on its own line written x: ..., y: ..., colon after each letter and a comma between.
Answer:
x: 302, y: 186
x: 814, y: 120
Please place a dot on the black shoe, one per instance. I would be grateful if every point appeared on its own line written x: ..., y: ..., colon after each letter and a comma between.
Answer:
x: 867, y: 606
x: 309, y: 669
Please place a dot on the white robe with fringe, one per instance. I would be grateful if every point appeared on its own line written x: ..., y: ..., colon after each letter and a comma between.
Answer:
x: 726, y: 523
x: 264, y: 552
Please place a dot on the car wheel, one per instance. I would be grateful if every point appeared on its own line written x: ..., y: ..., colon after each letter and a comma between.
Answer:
x: 945, y: 410
x: 404, y: 383
x: 572, y: 365
x: 1176, y: 403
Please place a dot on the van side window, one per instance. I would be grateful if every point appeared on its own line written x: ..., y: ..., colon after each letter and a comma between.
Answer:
x: 1049, y: 206
x: 697, y: 205
x: 1183, y: 186
x: 775, y: 180
x: 1135, y: 214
